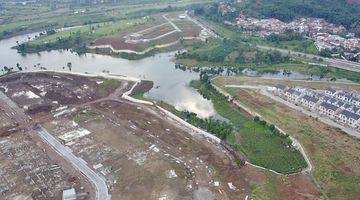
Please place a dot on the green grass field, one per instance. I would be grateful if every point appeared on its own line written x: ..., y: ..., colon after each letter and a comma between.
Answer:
x: 329, y: 149
x: 91, y: 31
x: 48, y: 23
x: 306, y: 46
x: 16, y: 20
x: 257, y: 141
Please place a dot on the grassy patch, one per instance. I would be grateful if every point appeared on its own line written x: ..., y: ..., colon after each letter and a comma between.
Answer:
x: 304, y: 45
x: 12, y: 28
x: 107, y: 85
x: 139, y: 96
x: 77, y: 37
x: 217, y: 53
x: 260, y: 145
x: 30, y: 18
x: 85, y: 116
x: 334, y: 155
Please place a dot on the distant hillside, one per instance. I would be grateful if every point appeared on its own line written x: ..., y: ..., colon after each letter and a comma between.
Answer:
x: 335, y: 11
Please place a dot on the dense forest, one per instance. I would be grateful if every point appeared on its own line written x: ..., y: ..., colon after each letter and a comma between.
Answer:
x: 335, y: 11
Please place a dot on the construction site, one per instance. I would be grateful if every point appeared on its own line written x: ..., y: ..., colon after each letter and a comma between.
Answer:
x: 94, y: 141
x: 136, y: 149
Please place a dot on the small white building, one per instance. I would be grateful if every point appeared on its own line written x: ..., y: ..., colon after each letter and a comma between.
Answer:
x: 182, y: 16
x: 69, y: 194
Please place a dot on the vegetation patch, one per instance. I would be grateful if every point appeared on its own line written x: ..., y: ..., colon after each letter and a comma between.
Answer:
x: 229, y: 51
x: 85, y: 115
x: 76, y: 37
x: 259, y: 142
x: 235, y: 57
x: 333, y: 153
x: 107, y: 85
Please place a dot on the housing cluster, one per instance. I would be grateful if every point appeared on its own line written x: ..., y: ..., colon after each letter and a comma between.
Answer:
x: 325, y: 35
x: 340, y: 105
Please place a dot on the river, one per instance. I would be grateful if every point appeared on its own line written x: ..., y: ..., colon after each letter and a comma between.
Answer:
x: 170, y: 84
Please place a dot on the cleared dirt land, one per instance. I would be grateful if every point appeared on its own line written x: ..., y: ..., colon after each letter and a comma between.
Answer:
x: 334, y: 155
x: 140, y: 151
x: 137, y: 148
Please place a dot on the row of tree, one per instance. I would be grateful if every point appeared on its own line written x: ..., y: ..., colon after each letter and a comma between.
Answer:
x: 219, y: 128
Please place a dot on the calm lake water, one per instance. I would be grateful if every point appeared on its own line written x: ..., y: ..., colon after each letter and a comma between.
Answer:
x: 171, y: 85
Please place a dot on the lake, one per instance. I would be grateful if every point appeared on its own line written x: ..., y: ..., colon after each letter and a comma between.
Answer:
x: 170, y: 84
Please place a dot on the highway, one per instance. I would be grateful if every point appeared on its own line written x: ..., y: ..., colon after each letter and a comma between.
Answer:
x: 66, y: 153
x: 333, y: 62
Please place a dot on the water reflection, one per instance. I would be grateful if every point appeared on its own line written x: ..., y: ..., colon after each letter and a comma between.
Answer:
x: 173, y: 83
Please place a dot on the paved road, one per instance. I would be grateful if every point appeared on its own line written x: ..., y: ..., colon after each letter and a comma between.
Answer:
x: 333, y: 62
x: 13, y: 109
x: 172, y: 23
x: 66, y: 153
x: 338, y: 63
x: 264, y: 91
x: 202, y: 25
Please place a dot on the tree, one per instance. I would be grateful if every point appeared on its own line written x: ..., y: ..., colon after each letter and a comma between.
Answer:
x: 69, y: 65
x: 18, y: 66
x: 325, y: 53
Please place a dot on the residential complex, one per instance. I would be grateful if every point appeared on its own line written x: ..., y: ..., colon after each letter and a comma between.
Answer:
x: 342, y: 106
x: 325, y: 35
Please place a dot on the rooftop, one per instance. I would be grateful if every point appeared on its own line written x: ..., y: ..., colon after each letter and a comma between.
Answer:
x: 328, y: 106
x: 349, y: 114
x: 311, y: 99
